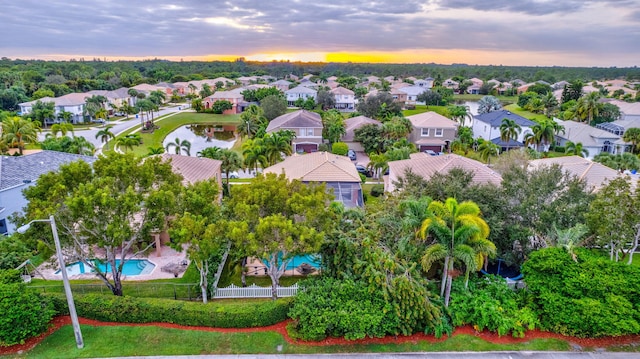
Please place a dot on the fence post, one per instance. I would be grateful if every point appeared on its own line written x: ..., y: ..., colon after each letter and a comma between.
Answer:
x: 175, y: 295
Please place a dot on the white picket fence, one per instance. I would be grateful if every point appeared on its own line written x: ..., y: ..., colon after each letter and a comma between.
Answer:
x: 254, y: 291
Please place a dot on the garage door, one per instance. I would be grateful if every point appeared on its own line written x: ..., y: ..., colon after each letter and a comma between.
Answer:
x: 306, y: 147
x: 432, y: 148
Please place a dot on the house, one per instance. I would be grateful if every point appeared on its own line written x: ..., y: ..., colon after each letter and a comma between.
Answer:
x: 306, y: 125
x: 73, y: 103
x: 399, y: 96
x: 147, y: 89
x: 474, y: 89
x: 300, y: 92
x: 20, y: 172
x: 432, y: 131
x: 115, y: 98
x: 337, y: 172
x: 233, y: 96
x: 426, y: 166
x: 351, y: 125
x: 629, y: 118
x: 594, y: 140
x: 282, y: 85
x: 412, y: 93
x: 487, y: 126
x: 595, y: 174
x: 449, y: 83
x: 345, y: 99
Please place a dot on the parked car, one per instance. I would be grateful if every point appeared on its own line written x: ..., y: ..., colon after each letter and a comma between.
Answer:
x: 352, y: 155
x: 232, y: 175
x: 98, y: 120
x: 362, y: 169
x: 430, y: 152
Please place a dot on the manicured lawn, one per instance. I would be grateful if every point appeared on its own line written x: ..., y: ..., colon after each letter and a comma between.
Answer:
x: 136, y: 341
x: 422, y: 108
x: 469, y: 97
x: 169, y: 124
x: 526, y: 114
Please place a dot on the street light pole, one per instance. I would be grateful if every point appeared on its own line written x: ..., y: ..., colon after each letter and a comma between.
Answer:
x: 65, y: 279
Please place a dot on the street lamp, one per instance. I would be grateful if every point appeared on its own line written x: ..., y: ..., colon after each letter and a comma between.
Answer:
x: 65, y: 278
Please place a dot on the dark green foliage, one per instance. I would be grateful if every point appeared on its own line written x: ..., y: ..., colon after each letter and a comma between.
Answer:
x: 12, y: 252
x: 490, y: 304
x: 258, y: 95
x: 592, y: 297
x: 24, y: 313
x: 341, y: 308
x: 273, y: 106
x: 380, y: 106
x: 146, y: 310
x: 221, y: 106
x: 377, y: 190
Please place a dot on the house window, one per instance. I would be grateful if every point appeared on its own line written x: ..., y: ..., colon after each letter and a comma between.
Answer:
x: 425, y: 132
x: 439, y: 132
x: 306, y: 132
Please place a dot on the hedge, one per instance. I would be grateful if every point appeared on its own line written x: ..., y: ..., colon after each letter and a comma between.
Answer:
x: 148, y: 310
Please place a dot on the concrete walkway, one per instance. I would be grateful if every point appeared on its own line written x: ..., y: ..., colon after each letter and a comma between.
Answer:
x: 447, y: 355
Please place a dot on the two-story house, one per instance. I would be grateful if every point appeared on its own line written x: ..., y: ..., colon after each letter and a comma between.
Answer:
x: 487, y: 126
x: 412, y: 93
x: 594, y: 140
x: 73, y: 103
x: 432, y: 131
x: 300, y: 92
x: 233, y: 96
x: 282, y: 85
x: 306, y: 125
x: 345, y: 99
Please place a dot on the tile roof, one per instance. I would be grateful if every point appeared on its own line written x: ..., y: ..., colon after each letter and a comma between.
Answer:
x: 72, y: 99
x: 431, y: 119
x: 342, y: 91
x: 194, y: 169
x: 583, y: 133
x: 226, y: 94
x: 494, y: 118
x: 317, y: 167
x: 426, y: 166
x: 627, y: 108
x: 296, y: 119
x: 595, y: 174
x: 413, y: 90
x: 281, y: 82
x: 301, y: 89
x: 16, y: 170
x: 353, y: 123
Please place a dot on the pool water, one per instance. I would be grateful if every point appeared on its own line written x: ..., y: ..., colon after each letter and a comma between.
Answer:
x: 132, y: 267
x: 311, y: 259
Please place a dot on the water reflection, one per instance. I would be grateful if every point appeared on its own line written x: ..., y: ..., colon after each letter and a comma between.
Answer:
x: 202, y: 136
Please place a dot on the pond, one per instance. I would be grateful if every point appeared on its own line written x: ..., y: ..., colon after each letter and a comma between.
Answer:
x: 202, y: 136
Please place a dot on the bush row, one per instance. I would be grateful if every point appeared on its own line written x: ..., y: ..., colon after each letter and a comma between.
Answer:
x: 147, y: 310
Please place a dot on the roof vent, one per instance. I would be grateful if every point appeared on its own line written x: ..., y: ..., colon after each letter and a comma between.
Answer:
x: 508, y: 112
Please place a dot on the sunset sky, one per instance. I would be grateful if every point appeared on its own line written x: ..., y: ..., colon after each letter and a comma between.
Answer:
x: 498, y: 32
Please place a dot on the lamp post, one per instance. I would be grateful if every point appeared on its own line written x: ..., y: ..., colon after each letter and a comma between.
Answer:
x: 65, y: 279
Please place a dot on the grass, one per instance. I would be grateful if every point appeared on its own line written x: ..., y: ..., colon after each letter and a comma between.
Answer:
x: 469, y: 97
x: 170, y: 123
x: 137, y: 341
x: 442, y: 110
x: 526, y: 114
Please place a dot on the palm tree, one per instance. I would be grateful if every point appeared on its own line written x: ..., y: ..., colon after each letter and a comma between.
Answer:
x: 377, y: 164
x: 487, y: 149
x: 251, y: 120
x: 80, y: 146
x: 105, y: 135
x: 210, y: 152
x: 254, y: 154
x: 576, y: 149
x: 459, y: 234
x: 158, y: 97
x: 93, y: 104
x: 155, y: 150
x: 275, y: 145
x: 568, y: 238
x: 61, y: 128
x: 509, y: 130
x: 632, y: 135
x: 415, y: 212
x: 231, y: 161
x: 65, y: 116
x: 589, y: 106
x: 459, y: 113
x: 544, y: 132
x: 17, y: 132
x: 550, y: 103
x: 179, y: 146
x: 126, y: 142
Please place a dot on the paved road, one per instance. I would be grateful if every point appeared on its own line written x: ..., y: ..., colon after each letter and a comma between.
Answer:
x: 118, y: 127
x: 448, y: 355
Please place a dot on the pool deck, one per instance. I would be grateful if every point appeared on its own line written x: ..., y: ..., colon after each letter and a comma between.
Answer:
x: 169, y: 256
x: 256, y: 268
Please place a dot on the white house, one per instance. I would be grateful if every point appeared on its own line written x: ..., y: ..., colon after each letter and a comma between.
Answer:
x: 593, y: 139
x: 345, y: 99
x: 487, y: 126
x: 300, y: 92
x: 73, y: 103
x: 412, y: 93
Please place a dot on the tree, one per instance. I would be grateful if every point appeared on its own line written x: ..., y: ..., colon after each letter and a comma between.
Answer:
x: 179, y: 146
x: 632, y: 135
x: 105, y: 135
x: 380, y: 106
x: 275, y: 145
x: 509, y: 130
x: 220, y: 106
x: 200, y: 227
x: 620, y: 162
x: 458, y: 233
x: 93, y: 104
x: 155, y: 150
x: 205, y: 91
x: 550, y: 104
x: 127, y: 142
x: 371, y: 137
x: 62, y: 129
x: 397, y: 128
x: 80, y: 146
x: 254, y: 154
x: 488, y: 104
x: 614, y: 218
x: 326, y: 100
x: 608, y: 112
x: 43, y: 111
x: 210, y: 152
x: 275, y: 219
x: 544, y: 133
x: 333, y: 126
x: 488, y: 149
x: 113, y: 206
x: 17, y: 132
x: 378, y: 163
x: 231, y: 161
x: 575, y: 149
x: 273, y: 106
x: 459, y: 113
x: 158, y: 97
x: 259, y: 94
x: 588, y: 106
x: 572, y: 91
x: 251, y: 121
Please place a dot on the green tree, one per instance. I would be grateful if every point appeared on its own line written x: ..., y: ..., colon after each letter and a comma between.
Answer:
x: 231, y: 161
x: 488, y: 149
x: 220, y: 106
x: 397, y: 128
x: 93, y: 104
x: 588, y: 106
x: 488, y: 104
x: 378, y: 164
x: 550, y: 104
x: 276, y: 145
x: 509, y: 130
x: 371, y: 137
x: 43, y: 111
x: 340, y: 148
x: 205, y: 91
x: 458, y: 233
x: 459, y: 114
x: 155, y: 150
x: 575, y: 149
x: 275, y: 219
x: 326, y: 100
x: 108, y: 211
x: 18, y: 132
x: 254, y: 155
x: 572, y: 91
x: 179, y: 146
x: 380, y: 106
x: 105, y: 135
x: 273, y: 106
x: 632, y: 135
x: 333, y: 126
x: 251, y: 121
x: 62, y: 129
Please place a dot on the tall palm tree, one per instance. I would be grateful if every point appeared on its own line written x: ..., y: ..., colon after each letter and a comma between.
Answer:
x: 415, y: 212
x: 126, y: 142
x: 576, y: 149
x: 459, y: 234
x: 588, y: 106
x: 544, y: 132
x: 275, y: 145
x: 251, y: 120
x: 62, y: 129
x: 93, y: 104
x: 632, y: 135
x: 210, y: 152
x: 231, y: 161
x: 550, y: 103
x: 179, y: 146
x: 509, y: 130
x: 378, y: 163
x: 459, y: 113
x: 105, y: 135
x: 254, y: 154
x: 488, y: 149
x: 17, y: 132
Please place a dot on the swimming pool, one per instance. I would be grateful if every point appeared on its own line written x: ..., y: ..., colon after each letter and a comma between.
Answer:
x: 313, y: 260
x: 132, y: 267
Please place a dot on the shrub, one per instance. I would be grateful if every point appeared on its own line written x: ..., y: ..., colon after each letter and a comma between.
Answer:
x: 25, y: 314
x: 323, y: 147
x: 146, y: 310
x: 377, y: 190
x: 340, y: 148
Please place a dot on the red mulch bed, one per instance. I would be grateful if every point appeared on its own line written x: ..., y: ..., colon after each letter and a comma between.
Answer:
x: 57, y: 322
